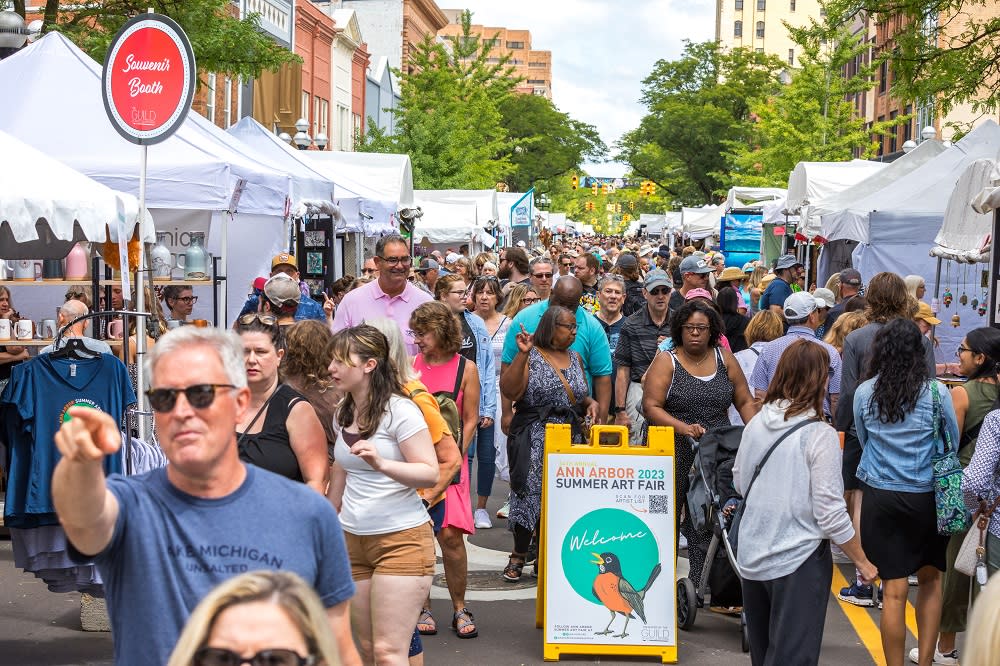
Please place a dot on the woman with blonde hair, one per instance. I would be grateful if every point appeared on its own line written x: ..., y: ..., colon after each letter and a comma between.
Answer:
x: 519, y: 297
x: 915, y: 286
x: 261, y: 617
x: 846, y: 324
x: 983, y: 642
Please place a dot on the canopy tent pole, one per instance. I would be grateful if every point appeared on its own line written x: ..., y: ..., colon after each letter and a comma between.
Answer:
x: 143, y: 415
x: 994, y: 284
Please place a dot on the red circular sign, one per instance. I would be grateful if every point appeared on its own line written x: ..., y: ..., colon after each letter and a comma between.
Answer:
x: 148, y: 80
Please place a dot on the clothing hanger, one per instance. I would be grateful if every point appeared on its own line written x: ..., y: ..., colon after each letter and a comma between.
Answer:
x: 74, y: 348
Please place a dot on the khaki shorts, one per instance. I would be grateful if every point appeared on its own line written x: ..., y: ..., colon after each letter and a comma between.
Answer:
x: 404, y: 553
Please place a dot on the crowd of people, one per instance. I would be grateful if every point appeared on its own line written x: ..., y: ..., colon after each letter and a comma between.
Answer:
x: 343, y: 441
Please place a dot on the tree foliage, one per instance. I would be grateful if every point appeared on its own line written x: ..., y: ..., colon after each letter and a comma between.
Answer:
x: 547, y: 142
x: 943, y: 50
x: 448, y: 119
x: 697, y: 106
x: 221, y: 42
x: 810, y: 119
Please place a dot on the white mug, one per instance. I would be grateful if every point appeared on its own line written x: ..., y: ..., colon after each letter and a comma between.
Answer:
x: 23, y: 329
x: 48, y: 329
x: 5, y: 330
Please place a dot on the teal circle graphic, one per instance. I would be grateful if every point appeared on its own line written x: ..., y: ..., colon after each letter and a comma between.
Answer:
x: 608, y: 531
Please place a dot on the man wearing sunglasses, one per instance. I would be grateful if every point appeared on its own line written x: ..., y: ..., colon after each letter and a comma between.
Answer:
x: 164, y: 539
x: 392, y: 295
x: 307, y: 308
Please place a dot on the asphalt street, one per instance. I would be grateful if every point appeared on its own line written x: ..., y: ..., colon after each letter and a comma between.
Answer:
x: 41, y: 628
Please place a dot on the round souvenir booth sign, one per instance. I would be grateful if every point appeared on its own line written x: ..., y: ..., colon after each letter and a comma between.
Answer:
x: 148, y: 79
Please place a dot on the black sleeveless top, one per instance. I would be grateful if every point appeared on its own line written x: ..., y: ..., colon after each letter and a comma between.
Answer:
x: 270, y: 448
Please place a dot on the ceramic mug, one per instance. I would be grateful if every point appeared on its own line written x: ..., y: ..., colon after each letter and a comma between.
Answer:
x: 5, y: 329
x: 48, y: 329
x: 23, y: 329
x: 116, y: 329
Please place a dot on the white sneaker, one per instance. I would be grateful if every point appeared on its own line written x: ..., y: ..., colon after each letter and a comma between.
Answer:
x: 911, y: 580
x: 504, y: 510
x: 482, y: 519
x: 950, y: 659
x: 682, y: 543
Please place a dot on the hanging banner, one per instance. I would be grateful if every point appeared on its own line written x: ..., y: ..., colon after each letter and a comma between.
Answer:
x: 148, y: 79
x: 608, y: 545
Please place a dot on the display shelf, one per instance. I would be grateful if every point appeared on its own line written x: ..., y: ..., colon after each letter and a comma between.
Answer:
x: 165, y: 283
x: 45, y: 343
x: 46, y: 283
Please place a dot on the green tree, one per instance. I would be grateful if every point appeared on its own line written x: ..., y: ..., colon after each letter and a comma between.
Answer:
x: 810, y: 119
x: 448, y: 119
x: 941, y: 51
x: 221, y: 42
x: 697, y: 105
x: 547, y: 142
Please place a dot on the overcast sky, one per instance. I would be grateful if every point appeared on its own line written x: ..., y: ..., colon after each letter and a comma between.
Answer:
x: 601, y: 51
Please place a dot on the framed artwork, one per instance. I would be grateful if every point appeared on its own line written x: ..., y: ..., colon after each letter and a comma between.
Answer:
x: 314, y: 262
x: 315, y: 286
x: 315, y: 238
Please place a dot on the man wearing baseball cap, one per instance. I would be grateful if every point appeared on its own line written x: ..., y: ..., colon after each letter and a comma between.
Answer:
x: 801, y: 311
x: 429, y: 271
x: 850, y: 287
x: 786, y: 271
x: 694, y: 275
x: 284, y: 263
x: 282, y: 298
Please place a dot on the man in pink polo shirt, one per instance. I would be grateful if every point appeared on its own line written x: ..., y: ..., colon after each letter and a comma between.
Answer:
x: 391, y: 295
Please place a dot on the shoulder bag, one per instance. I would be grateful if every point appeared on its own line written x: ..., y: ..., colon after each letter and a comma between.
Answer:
x: 569, y: 390
x: 972, y: 552
x: 952, y: 514
x: 734, y: 525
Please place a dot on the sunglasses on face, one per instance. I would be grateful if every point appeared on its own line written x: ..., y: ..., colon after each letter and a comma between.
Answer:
x: 542, y: 276
x: 199, y: 396
x: 368, y: 271
x: 278, y: 657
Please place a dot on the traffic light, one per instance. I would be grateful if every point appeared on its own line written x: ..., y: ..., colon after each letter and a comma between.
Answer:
x: 626, y: 218
x: 593, y: 189
x: 589, y: 205
x: 604, y: 188
x: 631, y: 205
x: 652, y: 187
x: 575, y: 181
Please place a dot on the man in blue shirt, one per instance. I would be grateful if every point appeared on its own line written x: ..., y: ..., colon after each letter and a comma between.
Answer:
x: 787, y: 270
x: 164, y: 539
x: 591, y: 342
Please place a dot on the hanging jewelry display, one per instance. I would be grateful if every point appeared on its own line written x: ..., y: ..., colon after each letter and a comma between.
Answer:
x: 956, y: 320
x: 946, y: 296
x: 963, y: 299
x: 983, y: 304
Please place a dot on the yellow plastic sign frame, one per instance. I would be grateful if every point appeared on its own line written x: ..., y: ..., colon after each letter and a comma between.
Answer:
x: 558, y: 439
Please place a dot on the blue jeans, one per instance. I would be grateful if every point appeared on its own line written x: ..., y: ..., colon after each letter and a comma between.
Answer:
x: 484, y: 446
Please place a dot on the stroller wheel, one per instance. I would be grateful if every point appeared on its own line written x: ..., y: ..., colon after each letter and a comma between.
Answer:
x: 744, y: 633
x: 687, y: 604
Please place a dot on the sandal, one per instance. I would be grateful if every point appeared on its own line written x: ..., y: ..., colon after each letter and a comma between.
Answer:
x: 427, y: 620
x: 462, y: 620
x: 512, y: 572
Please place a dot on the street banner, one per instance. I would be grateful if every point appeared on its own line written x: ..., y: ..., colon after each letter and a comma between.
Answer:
x: 607, y: 545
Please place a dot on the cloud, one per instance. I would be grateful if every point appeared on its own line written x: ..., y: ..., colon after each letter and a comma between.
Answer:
x: 601, y: 51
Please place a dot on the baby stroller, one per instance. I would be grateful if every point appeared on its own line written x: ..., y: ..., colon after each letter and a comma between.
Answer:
x: 711, y: 488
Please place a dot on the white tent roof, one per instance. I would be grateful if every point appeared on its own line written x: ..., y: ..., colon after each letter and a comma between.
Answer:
x: 307, y: 183
x: 812, y: 224
x: 813, y: 181
x: 965, y: 232
x: 485, y: 200
x: 38, y: 191
x: 702, y: 222
x: 505, y: 204
x: 445, y: 222
x: 185, y: 172
x: 373, y: 176
x: 924, y: 191
x: 753, y: 197
x: 774, y: 213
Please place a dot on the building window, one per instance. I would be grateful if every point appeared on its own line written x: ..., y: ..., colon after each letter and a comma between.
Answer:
x: 759, y: 49
x: 761, y: 4
x: 532, y: 63
x: 515, y: 45
x: 894, y: 130
x: 791, y: 56
x: 306, y: 103
x: 228, y: 111
x: 738, y: 29
x: 883, y: 76
x: 541, y: 92
x: 760, y: 30
x: 537, y: 81
x: 739, y: 5
x: 791, y: 5
x: 324, y: 118
x: 908, y: 127
x: 210, y: 98
x: 315, y: 118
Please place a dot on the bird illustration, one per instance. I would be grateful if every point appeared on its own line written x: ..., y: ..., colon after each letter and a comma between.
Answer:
x: 617, y: 594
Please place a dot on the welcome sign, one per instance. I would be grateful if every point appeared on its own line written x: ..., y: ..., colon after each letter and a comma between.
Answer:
x: 608, y: 546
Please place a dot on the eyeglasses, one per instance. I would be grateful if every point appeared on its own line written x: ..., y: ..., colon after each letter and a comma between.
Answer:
x: 368, y: 271
x: 542, y: 276
x: 571, y: 327
x: 529, y: 301
x: 209, y: 656
x: 393, y: 261
x: 961, y: 348
x: 187, y: 300
x: 660, y: 291
x: 695, y: 328
x: 199, y: 396
x: 266, y: 319
x: 567, y: 264
x: 457, y: 292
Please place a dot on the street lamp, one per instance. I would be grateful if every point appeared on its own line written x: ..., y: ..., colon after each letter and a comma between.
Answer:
x: 909, y: 145
x: 928, y: 133
x: 321, y: 140
x: 286, y: 137
x: 301, y: 138
x: 13, y: 34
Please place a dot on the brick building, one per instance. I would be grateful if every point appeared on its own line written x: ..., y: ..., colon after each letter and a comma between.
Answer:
x: 759, y: 25
x: 314, y: 36
x: 533, y: 67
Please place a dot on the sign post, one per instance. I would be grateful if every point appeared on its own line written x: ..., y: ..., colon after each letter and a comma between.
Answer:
x: 607, y: 545
x: 147, y: 85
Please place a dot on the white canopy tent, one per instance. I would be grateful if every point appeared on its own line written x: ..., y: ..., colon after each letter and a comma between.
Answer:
x: 45, y: 206
x: 965, y: 231
x: 699, y: 223
x: 373, y: 176
x: 810, y: 182
x: 485, y: 202
x: 753, y: 197
x: 445, y: 222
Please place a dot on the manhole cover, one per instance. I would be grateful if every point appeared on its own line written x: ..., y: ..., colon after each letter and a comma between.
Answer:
x: 491, y: 580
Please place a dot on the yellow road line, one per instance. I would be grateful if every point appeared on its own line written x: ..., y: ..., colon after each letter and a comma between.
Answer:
x: 911, y: 618
x: 863, y: 624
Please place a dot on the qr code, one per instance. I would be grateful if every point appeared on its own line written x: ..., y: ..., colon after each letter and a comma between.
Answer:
x: 659, y: 503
